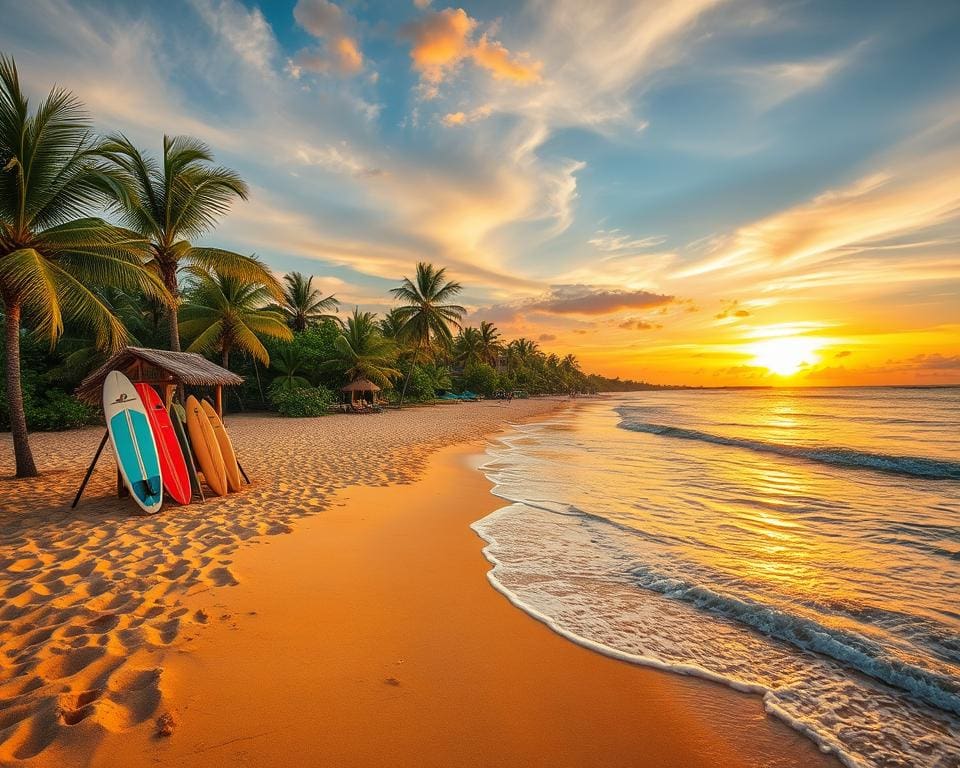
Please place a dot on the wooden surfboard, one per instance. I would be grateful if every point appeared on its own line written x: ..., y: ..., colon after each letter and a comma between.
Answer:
x: 173, y: 465
x: 206, y: 449
x: 226, y: 446
x: 133, y: 442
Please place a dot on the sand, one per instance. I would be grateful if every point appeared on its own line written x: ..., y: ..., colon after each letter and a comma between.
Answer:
x: 368, y: 636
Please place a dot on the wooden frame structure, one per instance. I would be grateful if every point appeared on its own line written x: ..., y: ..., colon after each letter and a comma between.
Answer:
x: 162, y: 369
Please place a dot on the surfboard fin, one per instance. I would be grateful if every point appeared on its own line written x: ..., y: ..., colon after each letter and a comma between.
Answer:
x: 148, y: 489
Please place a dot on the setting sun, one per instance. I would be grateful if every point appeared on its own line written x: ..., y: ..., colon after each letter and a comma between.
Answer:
x: 785, y: 356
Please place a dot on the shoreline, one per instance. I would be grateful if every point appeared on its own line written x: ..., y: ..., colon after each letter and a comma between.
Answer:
x: 369, y: 635
x: 90, y: 598
x: 390, y: 647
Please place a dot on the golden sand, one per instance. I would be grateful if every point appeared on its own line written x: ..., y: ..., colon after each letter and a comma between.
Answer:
x: 369, y: 636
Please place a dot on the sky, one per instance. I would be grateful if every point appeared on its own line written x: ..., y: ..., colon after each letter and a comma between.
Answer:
x: 697, y: 192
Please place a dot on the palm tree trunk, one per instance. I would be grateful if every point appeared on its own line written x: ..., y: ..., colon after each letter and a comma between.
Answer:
x: 406, y: 381
x: 225, y: 362
x: 256, y: 370
x: 18, y: 418
x: 170, y: 280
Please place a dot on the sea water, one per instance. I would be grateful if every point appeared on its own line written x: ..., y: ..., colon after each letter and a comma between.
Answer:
x: 800, y: 544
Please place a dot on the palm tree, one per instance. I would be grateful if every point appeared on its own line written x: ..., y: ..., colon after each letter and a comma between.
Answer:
x: 291, y: 363
x: 490, y: 345
x: 175, y: 200
x: 391, y: 324
x: 467, y: 347
x: 362, y: 352
x: 223, y: 313
x: 425, y: 314
x: 521, y: 351
x: 51, y: 257
x: 304, y: 305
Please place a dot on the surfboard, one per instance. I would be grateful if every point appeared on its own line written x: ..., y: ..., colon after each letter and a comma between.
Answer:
x: 173, y: 465
x: 178, y: 417
x: 133, y: 442
x: 226, y: 446
x: 206, y: 449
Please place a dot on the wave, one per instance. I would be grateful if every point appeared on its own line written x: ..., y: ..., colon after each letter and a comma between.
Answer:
x: 849, y: 648
x: 915, y: 466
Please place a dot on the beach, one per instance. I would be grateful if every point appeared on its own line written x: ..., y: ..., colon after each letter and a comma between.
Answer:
x: 368, y: 635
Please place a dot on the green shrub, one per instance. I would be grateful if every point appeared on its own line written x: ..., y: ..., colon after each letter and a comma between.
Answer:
x: 55, y: 411
x: 480, y: 378
x: 422, y: 386
x: 306, y: 401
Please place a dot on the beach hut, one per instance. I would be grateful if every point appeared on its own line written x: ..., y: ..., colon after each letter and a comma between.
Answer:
x: 163, y: 370
x: 360, y: 388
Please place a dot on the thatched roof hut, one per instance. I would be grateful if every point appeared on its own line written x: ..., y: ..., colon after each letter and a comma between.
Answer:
x: 360, y: 387
x: 161, y: 369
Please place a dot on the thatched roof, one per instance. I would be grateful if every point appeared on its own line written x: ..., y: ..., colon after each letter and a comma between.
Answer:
x: 360, y: 385
x: 157, y: 365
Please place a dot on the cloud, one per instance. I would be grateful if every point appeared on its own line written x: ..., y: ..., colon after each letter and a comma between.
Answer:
x: 843, y: 353
x: 615, y: 241
x: 935, y: 361
x: 452, y: 119
x: 588, y: 300
x: 247, y: 31
x: 546, y: 337
x: 918, y: 190
x: 443, y: 40
x: 440, y: 42
x: 340, y: 53
x: 636, y: 324
x: 492, y: 56
x: 422, y: 4
x: 339, y: 158
x: 731, y: 310
x: 775, y: 83
x: 320, y: 18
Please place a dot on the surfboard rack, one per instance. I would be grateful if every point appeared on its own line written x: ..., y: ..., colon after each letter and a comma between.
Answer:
x: 122, y: 491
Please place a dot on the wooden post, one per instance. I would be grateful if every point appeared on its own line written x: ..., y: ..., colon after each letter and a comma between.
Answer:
x: 86, y: 477
x: 218, y: 400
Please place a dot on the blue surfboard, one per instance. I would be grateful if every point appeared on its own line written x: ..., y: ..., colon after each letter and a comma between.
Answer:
x: 133, y: 442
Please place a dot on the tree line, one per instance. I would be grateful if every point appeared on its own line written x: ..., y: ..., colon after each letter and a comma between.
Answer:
x: 96, y: 253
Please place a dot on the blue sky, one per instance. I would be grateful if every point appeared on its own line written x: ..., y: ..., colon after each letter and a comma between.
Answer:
x: 654, y: 186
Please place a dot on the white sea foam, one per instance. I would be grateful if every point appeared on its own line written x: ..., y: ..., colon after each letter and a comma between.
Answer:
x: 594, y: 547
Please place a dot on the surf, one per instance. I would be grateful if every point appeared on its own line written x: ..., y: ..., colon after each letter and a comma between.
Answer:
x: 914, y: 466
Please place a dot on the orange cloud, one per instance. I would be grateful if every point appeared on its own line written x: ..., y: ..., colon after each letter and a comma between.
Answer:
x: 348, y: 54
x: 327, y: 22
x: 443, y: 39
x: 440, y: 41
x: 492, y: 56
x: 462, y: 118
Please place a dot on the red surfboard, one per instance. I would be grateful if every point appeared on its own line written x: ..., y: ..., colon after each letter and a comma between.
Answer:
x: 173, y: 467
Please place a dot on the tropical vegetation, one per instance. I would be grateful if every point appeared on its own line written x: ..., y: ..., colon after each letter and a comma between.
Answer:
x: 97, y: 251
x: 53, y: 253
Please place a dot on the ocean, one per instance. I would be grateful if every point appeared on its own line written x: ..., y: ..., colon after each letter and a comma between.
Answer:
x: 801, y: 544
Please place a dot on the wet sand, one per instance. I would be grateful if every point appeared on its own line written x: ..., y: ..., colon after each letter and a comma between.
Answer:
x: 367, y: 636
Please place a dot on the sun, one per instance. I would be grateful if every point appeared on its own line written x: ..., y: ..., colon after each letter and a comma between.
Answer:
x: 785, y: 356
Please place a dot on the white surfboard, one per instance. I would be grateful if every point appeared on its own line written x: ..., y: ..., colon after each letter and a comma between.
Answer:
x: 133, y: 443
